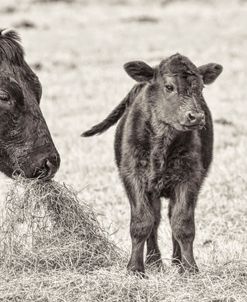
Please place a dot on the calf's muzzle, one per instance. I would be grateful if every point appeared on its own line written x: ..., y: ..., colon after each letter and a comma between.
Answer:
x: 194, y: 118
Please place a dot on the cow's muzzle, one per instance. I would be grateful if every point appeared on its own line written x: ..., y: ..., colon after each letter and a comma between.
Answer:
x: 48, y: 167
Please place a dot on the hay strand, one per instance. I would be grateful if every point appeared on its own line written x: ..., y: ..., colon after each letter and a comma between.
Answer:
x: 47, y: 227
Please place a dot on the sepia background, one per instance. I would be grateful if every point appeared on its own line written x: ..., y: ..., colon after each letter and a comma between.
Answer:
x: 78, y: 48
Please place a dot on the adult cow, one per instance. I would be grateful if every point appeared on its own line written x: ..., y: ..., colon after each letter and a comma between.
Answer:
x: 163, y: 148
x: 26, y: 145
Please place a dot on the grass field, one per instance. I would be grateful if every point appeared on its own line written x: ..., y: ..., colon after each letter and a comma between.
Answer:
x: 78, y: 49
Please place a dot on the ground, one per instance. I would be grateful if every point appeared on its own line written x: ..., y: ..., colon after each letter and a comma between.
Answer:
x: 78, y: 48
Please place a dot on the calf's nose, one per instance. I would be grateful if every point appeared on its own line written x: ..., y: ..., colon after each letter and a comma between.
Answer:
x: 195, y: 118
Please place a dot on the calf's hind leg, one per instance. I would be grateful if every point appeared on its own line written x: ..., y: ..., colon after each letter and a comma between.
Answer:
x: 141, y: 223
x: 183, y: 225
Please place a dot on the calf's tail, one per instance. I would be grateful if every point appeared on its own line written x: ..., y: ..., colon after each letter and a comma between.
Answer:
x: 116, y: 113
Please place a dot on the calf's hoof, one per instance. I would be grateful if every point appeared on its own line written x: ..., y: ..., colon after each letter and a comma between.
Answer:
x: 136, y: 270
x: 176, y: 261
x: 155, y: 261
x: 186, y: 268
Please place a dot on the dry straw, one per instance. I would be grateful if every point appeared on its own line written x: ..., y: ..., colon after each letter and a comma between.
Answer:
x: 46, y: 227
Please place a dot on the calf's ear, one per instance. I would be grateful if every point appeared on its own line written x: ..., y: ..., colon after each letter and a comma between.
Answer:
x: 139, y: 71
x: 210, y: 72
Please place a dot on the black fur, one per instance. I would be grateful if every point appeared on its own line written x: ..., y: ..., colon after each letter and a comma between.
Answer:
x: 163, y: 148
x: 26, y: 145
x: 139, y: 70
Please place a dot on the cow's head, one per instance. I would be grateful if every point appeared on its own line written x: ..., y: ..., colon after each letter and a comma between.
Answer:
x: 175, y: 89
x: 26, y: 145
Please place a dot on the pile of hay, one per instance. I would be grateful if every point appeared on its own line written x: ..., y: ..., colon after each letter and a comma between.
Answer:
x: 46, y: 227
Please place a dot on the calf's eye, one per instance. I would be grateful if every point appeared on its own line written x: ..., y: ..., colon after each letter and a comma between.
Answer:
x: 169, y: 88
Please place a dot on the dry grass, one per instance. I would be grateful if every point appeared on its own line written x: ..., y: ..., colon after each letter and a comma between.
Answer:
x: 47, y: 228
x: 216, y: 284
x: 78, y: 50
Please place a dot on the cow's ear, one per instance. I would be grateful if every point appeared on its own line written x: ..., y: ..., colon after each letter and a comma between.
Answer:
x: 210, y: 72
x: 139, y: 71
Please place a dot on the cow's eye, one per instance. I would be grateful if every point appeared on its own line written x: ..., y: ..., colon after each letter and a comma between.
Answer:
x: 4, y: 97
x: 169, y: 88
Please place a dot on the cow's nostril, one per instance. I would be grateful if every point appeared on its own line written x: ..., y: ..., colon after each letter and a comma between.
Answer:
x: 48, y: 165
x: 51, y: 169
x: 54, y: 160
x: 46, y: 171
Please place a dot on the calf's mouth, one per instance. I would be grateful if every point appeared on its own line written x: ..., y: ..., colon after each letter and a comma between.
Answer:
x: 198, y: 126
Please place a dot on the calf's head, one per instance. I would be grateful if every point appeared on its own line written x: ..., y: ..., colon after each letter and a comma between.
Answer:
x: 175, y: 89
x: 26, y: 145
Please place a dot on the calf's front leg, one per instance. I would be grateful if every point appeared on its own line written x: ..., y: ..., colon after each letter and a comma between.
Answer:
x: 183, y: 224
x: 141, y: 223
x: 153, y: 256
x: 176, y: 253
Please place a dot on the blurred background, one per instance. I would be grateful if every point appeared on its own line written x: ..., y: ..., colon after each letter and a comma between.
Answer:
x: 78, y: 48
